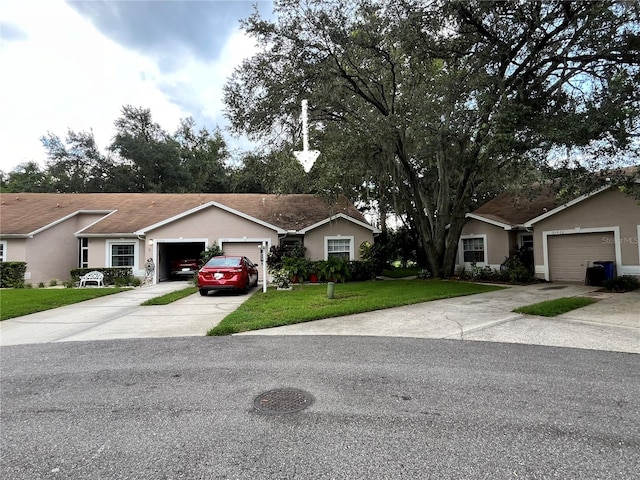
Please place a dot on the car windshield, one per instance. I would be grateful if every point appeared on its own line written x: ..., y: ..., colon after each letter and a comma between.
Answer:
x: 224, y: 262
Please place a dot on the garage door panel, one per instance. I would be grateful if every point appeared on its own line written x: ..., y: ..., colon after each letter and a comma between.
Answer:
x: 570, y: 255
x: 243, y: 249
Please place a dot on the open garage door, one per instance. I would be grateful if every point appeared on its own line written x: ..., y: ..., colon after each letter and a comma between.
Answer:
x: 243, y: 249
x: 169, y: 252
x: 570, y: 255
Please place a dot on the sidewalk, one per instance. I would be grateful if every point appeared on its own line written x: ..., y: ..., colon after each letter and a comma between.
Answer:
x: 612, y: 324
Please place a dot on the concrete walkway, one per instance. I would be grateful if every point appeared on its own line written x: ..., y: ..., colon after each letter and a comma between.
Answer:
x: 612, y: 324
x: 121, y: 316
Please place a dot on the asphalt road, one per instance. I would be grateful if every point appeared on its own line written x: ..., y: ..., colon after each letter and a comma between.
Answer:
x: 183, y: 408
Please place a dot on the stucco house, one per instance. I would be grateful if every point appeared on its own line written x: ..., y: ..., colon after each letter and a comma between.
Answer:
x: 566, y: 238
x: 54, y: 233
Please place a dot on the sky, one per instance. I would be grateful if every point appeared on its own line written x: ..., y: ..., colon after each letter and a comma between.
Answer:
x: 73, y: 65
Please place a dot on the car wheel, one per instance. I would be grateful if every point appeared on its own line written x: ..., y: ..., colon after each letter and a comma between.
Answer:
x: 203, y: 292
x: 246, y: 286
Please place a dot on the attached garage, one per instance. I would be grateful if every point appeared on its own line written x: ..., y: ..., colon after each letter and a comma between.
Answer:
x: 249, y: 249
x: 171, y: 250
x: 569, y: 255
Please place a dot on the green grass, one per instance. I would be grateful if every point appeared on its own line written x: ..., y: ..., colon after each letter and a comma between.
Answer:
x: 401, y: 272
x: 171, y: 297
x: 310, y: 302
x: 23, y: 301
x: 551, y: 308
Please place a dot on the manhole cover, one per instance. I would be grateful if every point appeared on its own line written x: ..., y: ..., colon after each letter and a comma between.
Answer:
x: 554, y: 287
x: 283, y: 400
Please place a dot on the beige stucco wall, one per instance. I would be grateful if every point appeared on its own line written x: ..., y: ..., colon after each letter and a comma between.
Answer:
x: 607, y: 209
x: 314, y: 240
x: 212, y: 224
x: 16, y: 249
x: 52, y: 253
x: 499, y: 241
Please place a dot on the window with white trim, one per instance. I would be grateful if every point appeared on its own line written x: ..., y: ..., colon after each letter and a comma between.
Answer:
x: 83, y: 260
x: 122, y: 254
x: 339, y: 248
x: 473, y: 250
x: 3, y: 251
x: 526, y: 241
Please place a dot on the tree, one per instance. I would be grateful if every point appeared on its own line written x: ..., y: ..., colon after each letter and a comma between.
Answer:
x: 75, y: 165
x: 28, y: 177
x: 155, y: 157
x: 203, y: 157
x: 448, y: 99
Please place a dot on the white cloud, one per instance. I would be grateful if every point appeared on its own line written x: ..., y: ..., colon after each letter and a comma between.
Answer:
x: 68, y: 75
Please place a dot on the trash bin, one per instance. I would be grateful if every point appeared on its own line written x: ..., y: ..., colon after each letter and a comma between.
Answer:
x: 595, y: 276
x: 609, y: 269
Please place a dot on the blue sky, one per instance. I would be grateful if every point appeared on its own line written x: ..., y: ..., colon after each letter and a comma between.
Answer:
x: 75, y: 64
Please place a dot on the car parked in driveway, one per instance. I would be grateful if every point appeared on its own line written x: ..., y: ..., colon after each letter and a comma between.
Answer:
x: 184, y: 267
x: 227, y: 273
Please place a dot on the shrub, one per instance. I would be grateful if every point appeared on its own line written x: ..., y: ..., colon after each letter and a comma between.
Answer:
x: 12, y: 274
x: 424, y: 274
x: 110, y: 274
x: 514, y: 270
x: 360, y: 271
x: 41, y: 285
x: 69, y: 284
x: 53, y: 282
x: 621, y: 284
x: 212, y: 250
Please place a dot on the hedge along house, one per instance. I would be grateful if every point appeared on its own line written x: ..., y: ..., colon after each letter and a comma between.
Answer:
x: 566, y: 238
x: 54, y: 233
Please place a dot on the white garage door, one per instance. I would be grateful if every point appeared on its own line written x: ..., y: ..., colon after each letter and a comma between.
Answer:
x: 570, y: 255
x: 243, y: 249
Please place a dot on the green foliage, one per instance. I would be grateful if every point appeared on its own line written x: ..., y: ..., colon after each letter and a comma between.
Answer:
x: 128, y: 281
x: 18, y: 302
x: 518, y: 267
x: 170, y: 297
x: 53, y: 282
x: 12, y: 274
x: 111, y: 274
x: 551, y: 308
x: 212, y: 250
x: 334, y: 270
x: 309, y: 302
x: 377, y: 72
x: 623, y: 283
x: 296, y: 266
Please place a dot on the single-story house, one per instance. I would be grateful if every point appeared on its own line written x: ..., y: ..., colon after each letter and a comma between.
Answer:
x: 54, y: 233
x: 566, y: 238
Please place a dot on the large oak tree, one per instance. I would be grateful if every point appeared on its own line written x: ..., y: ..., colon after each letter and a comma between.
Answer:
x: 443, y: 100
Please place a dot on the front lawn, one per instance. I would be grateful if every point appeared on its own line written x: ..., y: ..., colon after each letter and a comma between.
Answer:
x: 310, y: 302
x: 170, y: 297
x: 551, y: 308
x: 23, y: 301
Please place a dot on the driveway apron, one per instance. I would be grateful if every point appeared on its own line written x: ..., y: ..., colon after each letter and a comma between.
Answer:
x: 121, y: 316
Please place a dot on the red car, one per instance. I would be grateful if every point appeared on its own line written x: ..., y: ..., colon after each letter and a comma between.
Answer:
x: 184, y: 268
x: 227, y: 273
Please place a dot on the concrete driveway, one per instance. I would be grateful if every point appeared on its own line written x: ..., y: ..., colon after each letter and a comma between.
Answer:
x: 121, y: 316
x: 611, y: 324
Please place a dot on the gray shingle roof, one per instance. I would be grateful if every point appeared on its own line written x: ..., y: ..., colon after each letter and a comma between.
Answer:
x: 24, y: 213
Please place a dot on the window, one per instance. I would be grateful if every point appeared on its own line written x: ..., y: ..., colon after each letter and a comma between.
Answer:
x: 473, y: 250
x: 3, y: 251
x: 339, y: 247
x: 526, y: 241
x: 83, y: 260
x: 122, y: 254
